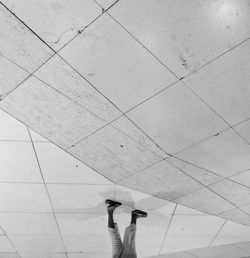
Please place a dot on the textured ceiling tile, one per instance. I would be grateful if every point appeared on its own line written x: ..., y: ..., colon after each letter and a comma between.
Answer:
x: 113, y: 154
x: 126, y: 126
x: 24, y: 198
x: 83, y: 224
x: 16, y: 155
x: 237, y: 215
x: 243, y: 129
x: 37, y: 244
x: 60, y: 167
x: 63, y: 78
x: 234, y: 192
x: 223, y: 84
x: 206, y: 201
x: 232, y: 233
x: 88, y: 243
x: 11, y: 129
x: 19, y: 44
x: 80, y: 198
x: 225, y: 154
x: 7, y: 82
x: 202, y: 175
x: 50, y: 113
x: 5, y: 245
x: 227, y: 251
x: 185, y: 37
x: 242, y: 178
x: 162, y: 180
x: 54, y: 21
x: 29, y: 224
x: 176, y: 119
x: 116, y: 64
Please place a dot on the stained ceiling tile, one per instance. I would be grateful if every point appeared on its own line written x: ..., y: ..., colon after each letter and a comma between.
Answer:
x: 185, y: 37
x: 206, y: 201
x: 90, y: 243
x: 225, y: 154
x: 29, y: 223
x: 55, y: 22
x: 223, y: 83
x: 127, y: 127
x: 113, y: 154
x: 229, y: 251
x: 16, y: 197
x: 63, y: 78
x: 232, y: 233
x: 176, y: 119
x: 162, y: 180
x: 243, y: 129
x: 37, y: 244
x: 50, y: 113
x: 203, y: 176
x: 16, y: 155
x: 82, y: 224
x: 232, y: 191
x: 80, y: 198
x: 116, y: 64
x: 7, y: 82
x: 60, y: 167
x: 5, y: 245
x: 11, y: 129
x: 20, y: 44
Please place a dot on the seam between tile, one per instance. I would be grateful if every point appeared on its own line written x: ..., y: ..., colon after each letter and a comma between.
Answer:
x: 218, y: 232
x: 51, y: 204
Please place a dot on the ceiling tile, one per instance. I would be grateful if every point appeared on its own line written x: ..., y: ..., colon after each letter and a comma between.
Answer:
x: 9, y: 255
x: 18, y: 162
x: 245, y: 246
x: 7, y: 82
x: 185, y: 37
x: 242, y: 178
x: 182, y: 210
x: 23, y: 198
x: 229, y: 251
x: 43, y: 255
x: 232, y: 233
x: 60, y: 167
x: 90, y: 243
x: 176, y: 119
x: 55, y: 22
x: 63, y: 78
x: 206, y: 201
x: 37, y: 137
x: 129, y: 128
x: 90, y: 255
x: 181, y: 243
x: 80, y: 198
x: 83, y: 224
x: 194, y: 226
x: 20, y: 44
x: 113, y: 154
x: 234, y: 192
x: 162, y: 180
x: 37, y: 244
x: 50, y: 113
x: 175, y: 255
x: 29, y: 223
x: 243, y: 129
x: 148, y: 246
x: 5, y: 245
x: 132, y: 199
x: 132, y: 74
x: 11, y: 129
x: 203, y: 176
x: 106, y: 3
x: 237, y: 215
x: 223, y: 83
x: 225, y: 154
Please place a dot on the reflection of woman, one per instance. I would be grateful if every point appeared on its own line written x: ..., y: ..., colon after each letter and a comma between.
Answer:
x: 125, y: 249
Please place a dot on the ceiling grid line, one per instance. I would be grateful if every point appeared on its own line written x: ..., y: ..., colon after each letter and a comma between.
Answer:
x: 218, y: 232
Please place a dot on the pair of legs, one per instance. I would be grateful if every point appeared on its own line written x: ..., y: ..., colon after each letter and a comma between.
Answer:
x: 127, y: 247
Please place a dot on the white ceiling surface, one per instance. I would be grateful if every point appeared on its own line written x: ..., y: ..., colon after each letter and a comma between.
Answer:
x: 52, y: 205
x: 122, y: 89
